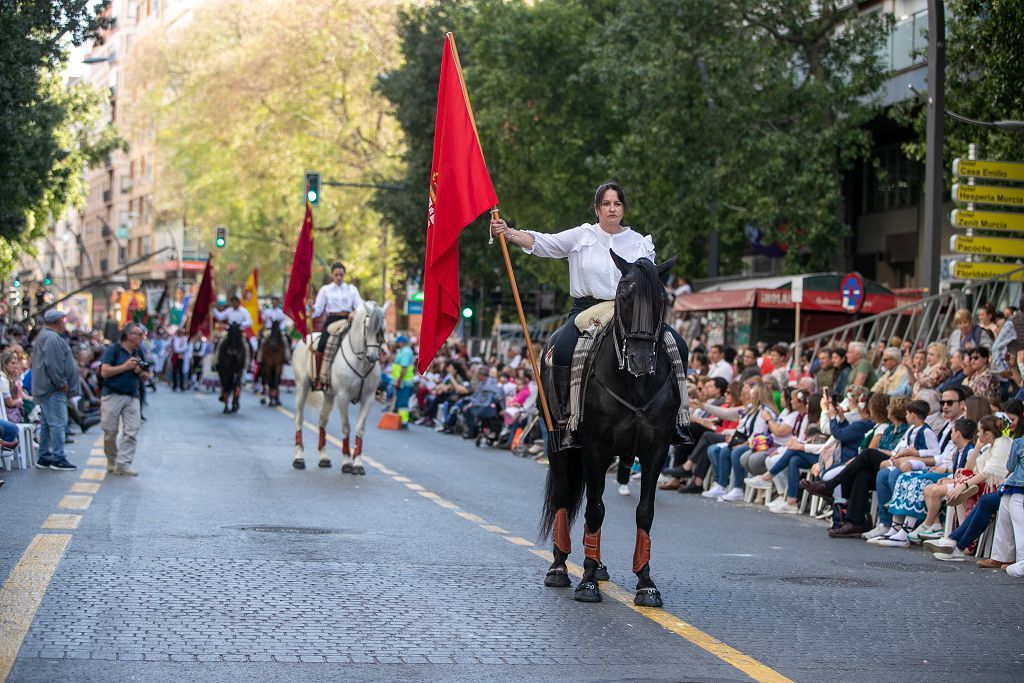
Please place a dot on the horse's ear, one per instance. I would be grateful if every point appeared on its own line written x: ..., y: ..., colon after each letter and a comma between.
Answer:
x: 666, y: 266
x: 385, y: 306
x: 622, y: 264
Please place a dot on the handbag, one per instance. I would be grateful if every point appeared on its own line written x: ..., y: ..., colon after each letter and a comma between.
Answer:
x: 738, y: 437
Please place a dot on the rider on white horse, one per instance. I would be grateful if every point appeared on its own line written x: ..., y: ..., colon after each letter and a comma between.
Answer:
x: 335, y: 300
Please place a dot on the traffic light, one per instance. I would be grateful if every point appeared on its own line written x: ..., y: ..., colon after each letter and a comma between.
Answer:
x: 221, y: 239
x: 467, y: 312
x: 17, y: 282
x: 312, y: 186
x: 47, y: 280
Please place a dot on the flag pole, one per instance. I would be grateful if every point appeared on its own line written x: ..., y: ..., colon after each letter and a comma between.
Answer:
x: 541, y: 394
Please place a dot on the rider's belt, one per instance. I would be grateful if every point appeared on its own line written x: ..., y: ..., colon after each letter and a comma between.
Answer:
x: 582, y: 303
x: 340, y: 315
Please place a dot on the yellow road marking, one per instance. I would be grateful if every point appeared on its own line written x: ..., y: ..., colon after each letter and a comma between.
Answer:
x: 517, y: 540
x: 23, y: 591
x: 93, y: 474
x: 470, y: 516
x: 429, y: 494
x: 82, y: 487
x: 97, y: 462
x: 730, y: 655
x: 414, y: 487
x: 62, y: 522
x: 75, y: 502
x: 447, y: 504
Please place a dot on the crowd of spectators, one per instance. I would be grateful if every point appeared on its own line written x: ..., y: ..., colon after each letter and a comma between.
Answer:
x: 903, y: 445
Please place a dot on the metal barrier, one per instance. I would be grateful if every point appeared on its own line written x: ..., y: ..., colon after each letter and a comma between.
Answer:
x: 921, y: 322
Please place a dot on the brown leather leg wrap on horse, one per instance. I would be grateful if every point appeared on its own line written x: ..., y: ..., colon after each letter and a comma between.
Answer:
x: 359, y: 447
x: 344, y: 447
x: 298, y: 437
x: 322, y: 439
x: 642, y: 552
x: 592, y: 544
x: 560, y: 532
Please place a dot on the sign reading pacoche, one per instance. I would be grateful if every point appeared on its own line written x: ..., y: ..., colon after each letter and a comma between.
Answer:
x: 989, y: 246
x: 984, y: 271
x: 996, y: 170
x: 989, y: 194
x: 986, y: 220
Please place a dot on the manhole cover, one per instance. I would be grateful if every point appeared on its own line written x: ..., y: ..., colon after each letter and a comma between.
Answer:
x: 911, y: 567
x: 286, y: 529
x: 828, y: 582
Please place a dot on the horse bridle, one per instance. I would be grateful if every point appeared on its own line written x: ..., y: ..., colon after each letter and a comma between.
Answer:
x: 363, y: 355
x: 644, y: 327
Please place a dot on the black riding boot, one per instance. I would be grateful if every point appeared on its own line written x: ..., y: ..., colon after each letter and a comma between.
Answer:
x: 562, y: 438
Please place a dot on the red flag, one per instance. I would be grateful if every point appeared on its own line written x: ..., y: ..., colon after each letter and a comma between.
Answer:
x: 199, y: 320
x: 302, y: 271
x: 460, y: 190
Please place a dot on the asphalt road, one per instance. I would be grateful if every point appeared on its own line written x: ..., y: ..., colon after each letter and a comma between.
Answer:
x: 222, y: 562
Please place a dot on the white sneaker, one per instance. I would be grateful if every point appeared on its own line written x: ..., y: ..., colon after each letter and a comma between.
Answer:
x: 623, y: 489
x: 893, y: 540
x: 940, y: 545
x: 921, y: 533
x: 757, y: 483
x: 733, y: 495
x: 956, y: 556
x: 778, y: 502
x: 786, y: 508
x: 878, y: 531
x: 1016, y: 570
x: 714, y: 492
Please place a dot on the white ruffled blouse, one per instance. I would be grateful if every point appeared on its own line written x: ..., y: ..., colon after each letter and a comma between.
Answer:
x: 591, y: 269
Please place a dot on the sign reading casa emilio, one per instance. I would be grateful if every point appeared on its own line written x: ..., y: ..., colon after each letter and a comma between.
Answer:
x: 996, y: 170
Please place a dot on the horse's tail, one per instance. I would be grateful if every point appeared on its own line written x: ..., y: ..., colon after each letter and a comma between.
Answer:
x: 563, y: 489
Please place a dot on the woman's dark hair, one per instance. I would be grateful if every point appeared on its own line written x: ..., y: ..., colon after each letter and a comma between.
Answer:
x: 992, y: 425
x: 878, y: 407
x: 1015, y: 407
x: 977, y: 407
x: 813, y: 409
x: 604, y: 187
x: 338, y: 264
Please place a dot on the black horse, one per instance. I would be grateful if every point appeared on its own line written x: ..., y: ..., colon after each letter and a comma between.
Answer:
x: 273, y: 354
x: 232, y: 359
x: 629, y: 410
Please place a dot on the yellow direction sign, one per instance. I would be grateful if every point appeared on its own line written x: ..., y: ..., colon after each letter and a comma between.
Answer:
x: 986, y: 220
x: 984, y: 271
x: 988, y: 246
x: 996, y: 170
x: 989, y: 194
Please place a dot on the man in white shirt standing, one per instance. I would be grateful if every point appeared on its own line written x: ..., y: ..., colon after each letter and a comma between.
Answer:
x: 234, y: 314
x: 336, y: 301
x: 719, y: 366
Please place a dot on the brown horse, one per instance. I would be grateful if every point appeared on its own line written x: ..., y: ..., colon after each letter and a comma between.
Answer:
x: 273, y: 354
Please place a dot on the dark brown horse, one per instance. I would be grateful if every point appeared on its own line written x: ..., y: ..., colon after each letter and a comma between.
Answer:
x: 273, y: 353
x: 232, y: 361
x: 629, y: 410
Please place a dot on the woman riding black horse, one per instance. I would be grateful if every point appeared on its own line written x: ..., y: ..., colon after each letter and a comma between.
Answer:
x: 593, y: 278
x: 632, y: 407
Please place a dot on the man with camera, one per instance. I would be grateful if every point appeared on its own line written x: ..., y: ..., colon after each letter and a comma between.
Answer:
x: 123, y: 369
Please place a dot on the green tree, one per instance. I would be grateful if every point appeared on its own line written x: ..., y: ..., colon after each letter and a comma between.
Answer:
x: 984, y: 81
x: 48, y: 132
x: 251, y: 96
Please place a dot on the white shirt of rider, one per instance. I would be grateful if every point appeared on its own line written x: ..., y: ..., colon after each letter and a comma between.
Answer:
x: 332, y: 298
x: 234, y: 315
x: 271, y: 315
x: 591, y: 269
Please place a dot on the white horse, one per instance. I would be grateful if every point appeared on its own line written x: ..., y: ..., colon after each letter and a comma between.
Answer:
x: 355, y: 375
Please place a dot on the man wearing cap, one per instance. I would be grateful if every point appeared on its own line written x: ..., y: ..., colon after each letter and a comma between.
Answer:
x: 402, y: 375
x: 124, y: 370
x: 54, y: 378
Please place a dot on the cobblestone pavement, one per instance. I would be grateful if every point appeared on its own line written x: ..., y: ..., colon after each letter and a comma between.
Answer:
x: 222, y: 562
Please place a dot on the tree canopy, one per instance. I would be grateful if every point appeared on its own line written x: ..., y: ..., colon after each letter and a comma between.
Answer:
x: 48, y: 132
x: 248, y: 97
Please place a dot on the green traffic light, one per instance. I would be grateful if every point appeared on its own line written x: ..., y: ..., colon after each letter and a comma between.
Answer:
x: 467, y: 312
x: 311, y: 196
x: 17, y: 282
x: 47, y: 282
x: 220, y: 241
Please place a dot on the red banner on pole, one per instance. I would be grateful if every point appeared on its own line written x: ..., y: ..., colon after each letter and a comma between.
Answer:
x: 298, y: 280
x: 199, y: 320
x: 460, y: 190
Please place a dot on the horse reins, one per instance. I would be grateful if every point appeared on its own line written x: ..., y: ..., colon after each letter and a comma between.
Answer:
x: 364, y: 354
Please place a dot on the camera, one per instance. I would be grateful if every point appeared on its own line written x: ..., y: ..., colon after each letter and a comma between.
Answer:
x: 145, y: 365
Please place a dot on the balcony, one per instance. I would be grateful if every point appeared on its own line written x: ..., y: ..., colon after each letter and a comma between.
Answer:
x: 905, y: 56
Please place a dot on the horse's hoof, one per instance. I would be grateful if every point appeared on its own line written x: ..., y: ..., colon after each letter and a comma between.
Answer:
x: 263, y: 402
x: 601, y: 573
x: 648, y: 597
x: 299, y: 464
x: 359, y: 469
x: 557, y: 578
x: 587, y: 591
x: 346, y: 468
x: 326, y: 462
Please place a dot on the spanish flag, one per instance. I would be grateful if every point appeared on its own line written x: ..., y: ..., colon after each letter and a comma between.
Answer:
x: 251, y: 299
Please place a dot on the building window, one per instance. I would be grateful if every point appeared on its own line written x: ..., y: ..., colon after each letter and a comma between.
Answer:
x: 893, y: 182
